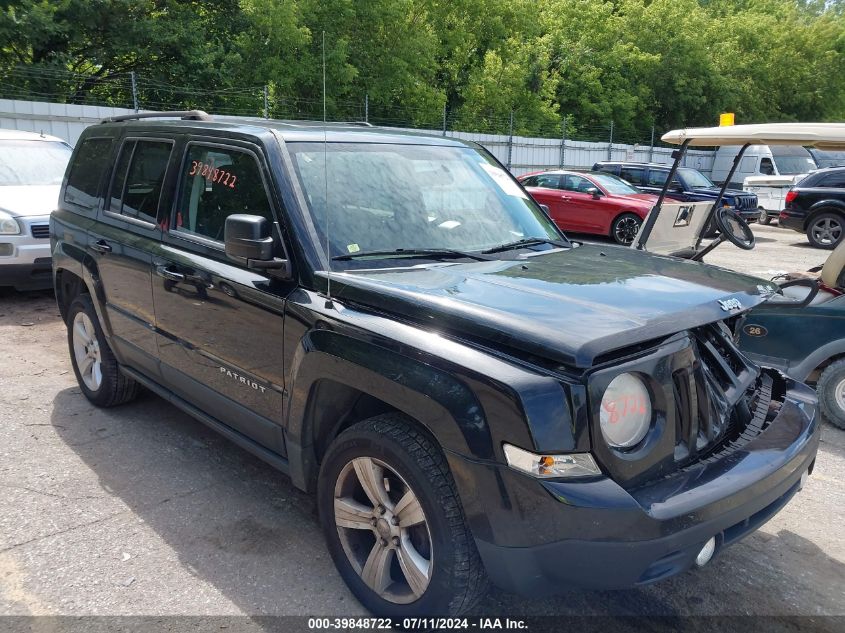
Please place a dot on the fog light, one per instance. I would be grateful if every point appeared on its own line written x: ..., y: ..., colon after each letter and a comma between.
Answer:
x: 6, y: 250
x: 706, y: 552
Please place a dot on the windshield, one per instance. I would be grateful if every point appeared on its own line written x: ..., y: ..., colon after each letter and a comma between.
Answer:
x: 614, y: 184
x: 694, y: 178
x: 384, y: 197
x: 33, y: 162
x: 791, y: 165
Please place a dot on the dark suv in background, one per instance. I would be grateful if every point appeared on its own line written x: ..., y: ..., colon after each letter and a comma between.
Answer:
x: 689, y: 185
x: 816, y: 206
x: 391, y: 320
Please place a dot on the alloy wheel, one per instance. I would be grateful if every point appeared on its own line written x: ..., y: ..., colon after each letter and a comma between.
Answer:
x: 827, y: 231
x: 383, y: 530
x: 86, y: 350
x: 839, y: 394
x: 626, y: 230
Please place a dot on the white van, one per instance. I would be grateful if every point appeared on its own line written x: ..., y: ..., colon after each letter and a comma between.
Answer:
x: 761, y: 160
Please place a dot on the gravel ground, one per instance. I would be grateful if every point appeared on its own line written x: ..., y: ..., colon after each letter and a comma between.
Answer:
x: 140, y: 510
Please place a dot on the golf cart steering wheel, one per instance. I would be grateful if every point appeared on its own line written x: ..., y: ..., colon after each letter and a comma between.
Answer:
x: 735, y: 229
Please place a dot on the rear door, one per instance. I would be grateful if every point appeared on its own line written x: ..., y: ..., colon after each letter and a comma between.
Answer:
x: 220, y: 325
x: 545, y: 189
x: 122, y: 241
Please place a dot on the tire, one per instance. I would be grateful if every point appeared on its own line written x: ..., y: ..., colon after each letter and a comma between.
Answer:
x: 97, y: 371
x: 826, y: 230
x: 391, y: 448
x: 625, y: 228
x: 831, y: 391
x: 765, y: 218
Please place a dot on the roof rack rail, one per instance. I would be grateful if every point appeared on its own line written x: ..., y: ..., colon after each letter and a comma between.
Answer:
x: 361, y: 123
x: 185, y: 115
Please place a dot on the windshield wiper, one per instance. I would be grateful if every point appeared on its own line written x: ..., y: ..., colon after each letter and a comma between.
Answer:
x: 430, y: 253
x: 526, y: 241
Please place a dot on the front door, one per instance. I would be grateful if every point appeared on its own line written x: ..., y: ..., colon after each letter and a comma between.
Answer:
x: 220, y: 325
x: 579, y: 208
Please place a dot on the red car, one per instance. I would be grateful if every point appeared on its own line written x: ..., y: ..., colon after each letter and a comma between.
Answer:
x: 592, y: 202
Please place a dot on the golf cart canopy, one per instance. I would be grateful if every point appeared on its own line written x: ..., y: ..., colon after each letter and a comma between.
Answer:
x: 825, y: 136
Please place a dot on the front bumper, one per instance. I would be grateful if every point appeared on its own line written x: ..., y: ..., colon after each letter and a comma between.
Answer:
x: 24, y: 258
x: 541, y: 537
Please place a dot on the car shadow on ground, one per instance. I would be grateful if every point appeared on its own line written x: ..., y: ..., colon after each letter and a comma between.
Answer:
x: 241, y: 526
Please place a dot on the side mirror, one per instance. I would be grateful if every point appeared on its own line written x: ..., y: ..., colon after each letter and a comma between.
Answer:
x: 248, y: 240
x: 594, y: 191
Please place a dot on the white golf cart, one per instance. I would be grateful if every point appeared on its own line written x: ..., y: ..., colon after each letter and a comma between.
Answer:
x: 676, y: 229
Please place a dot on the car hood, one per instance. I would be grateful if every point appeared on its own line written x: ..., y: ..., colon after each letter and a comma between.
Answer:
x: 29, y: 201
x: 713, y: 192
x: 569, y: 306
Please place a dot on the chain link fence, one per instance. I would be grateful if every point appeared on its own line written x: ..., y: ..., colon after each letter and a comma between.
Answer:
x: 75, y: 100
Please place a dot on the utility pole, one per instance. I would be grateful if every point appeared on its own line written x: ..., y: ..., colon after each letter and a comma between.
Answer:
x: 134, y: 90
x: 610, y: 143
x: 562, y: 160
x: 510, y: 141
x: 651, y: 147
x: 366, y: 107
x: 444, y: 119
x: 266, y: 102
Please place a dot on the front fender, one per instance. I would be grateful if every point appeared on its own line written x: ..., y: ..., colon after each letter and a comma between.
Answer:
x: 470, y: 400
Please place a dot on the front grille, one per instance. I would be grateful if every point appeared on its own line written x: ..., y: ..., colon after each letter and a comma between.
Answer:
x: 718, y: 397
x: 40, y: 231
x: 746, y: 203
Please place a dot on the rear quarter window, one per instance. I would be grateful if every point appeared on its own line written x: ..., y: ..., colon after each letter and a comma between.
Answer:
x: 87, y: 169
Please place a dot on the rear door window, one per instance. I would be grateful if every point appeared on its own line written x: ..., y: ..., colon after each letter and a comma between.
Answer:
x: 86, y: 172
x: 216, y: 183
x: 549, y: 181
x: 139, y: 176
x: 634, y: 175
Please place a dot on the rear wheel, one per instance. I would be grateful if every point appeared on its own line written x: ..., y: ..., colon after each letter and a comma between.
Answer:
x: 394, y: 524
x: 831, y: 391
x: 97, y: 370
x: 625, y: 228
x: 826, y: 230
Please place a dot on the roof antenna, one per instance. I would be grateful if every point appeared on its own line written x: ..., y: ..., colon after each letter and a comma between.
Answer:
x: 329, y: 304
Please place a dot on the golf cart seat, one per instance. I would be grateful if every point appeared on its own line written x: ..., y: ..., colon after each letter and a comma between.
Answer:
x: 830, y: 282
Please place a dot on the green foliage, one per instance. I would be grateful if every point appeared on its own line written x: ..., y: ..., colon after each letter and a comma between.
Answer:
x: 639, y: 63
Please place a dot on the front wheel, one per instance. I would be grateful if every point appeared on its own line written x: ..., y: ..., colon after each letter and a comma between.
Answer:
x: 625, y: 228
x: 394, y: 524
x: 826, y: 230
x: 764, y: 218
x: 831, y: 391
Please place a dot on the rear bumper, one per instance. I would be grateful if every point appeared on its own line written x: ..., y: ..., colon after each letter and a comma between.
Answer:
x: 548, y: 536
x: 791, y: 220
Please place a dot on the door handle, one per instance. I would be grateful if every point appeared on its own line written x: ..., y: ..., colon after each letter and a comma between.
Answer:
x: 169, y: 274
x: 101, y: 246
x: 566, y: 197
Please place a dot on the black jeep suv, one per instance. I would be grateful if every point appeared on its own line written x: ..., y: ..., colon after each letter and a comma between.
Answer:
x: 816, y: 206
x: 391, y: 320
x: 689, y: 185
